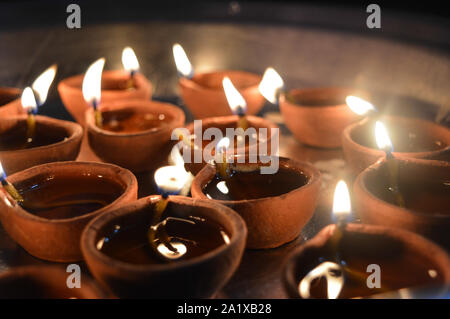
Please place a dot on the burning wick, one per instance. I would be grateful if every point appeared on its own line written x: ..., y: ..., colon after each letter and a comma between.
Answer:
x: 171, y: 180
x: 12, y: 191
x: 36, y: 96
x: 271, y: 86
x: 341, y: 211
x: 92, y: 88
x: 384, y: 143
x: 131, y: 64
x: 236, y: 101
x: 184, y: 67
x: 360, y: 106
x: 220, y: 161
x: 29, y: 104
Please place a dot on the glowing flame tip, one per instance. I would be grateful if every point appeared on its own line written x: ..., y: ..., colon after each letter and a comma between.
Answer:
x: 181, y: 60
x: 27, y: 99
x: 92, y: 82
x: 234, y: 98
x: 43, y: 82
x: 129, y: 60
x: 358, y: 105
x: 270, y: 85
x: 382, y: 137
x: 341, y: 201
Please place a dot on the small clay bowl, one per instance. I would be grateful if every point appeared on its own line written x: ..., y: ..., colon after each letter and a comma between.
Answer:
x: 198, y: 277
x: 424, y: 186
x: 231, y: 121
x: 317, y: 116
x: 138, y: 151
x: 275, y: 220
x: 10, y: 102
x: 60, y: 141
x: 59, y: 239
x: 114, y: 85
x: 204, y: 95
x: 411, y: 138
x: 44, y: 282
x: 405, y: 259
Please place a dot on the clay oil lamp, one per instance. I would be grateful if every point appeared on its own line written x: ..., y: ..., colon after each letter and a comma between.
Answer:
x: 202, y: 91
x: 274, y: 205
x: 116, y: 128
x: 10, y: 102
x: 117, y: 85
x: 251, y: 134
x: 425, y: 197
x: 28, y: 140
x: 412, y: 138
x: 315, y: 116
x: 44, y: 282
x: 165, y: 246
x: 359, y: 260
x: 45, y: 208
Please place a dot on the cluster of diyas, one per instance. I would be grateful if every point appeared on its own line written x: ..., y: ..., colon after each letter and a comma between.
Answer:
x: 242, y: 196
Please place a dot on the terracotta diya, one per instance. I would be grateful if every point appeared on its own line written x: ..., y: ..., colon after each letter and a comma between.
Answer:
x: 203, y: 94
x: 45, y: 208
x: 425, y: 188
x: 357, y: 260
x: 258, y: 144
x: 411, y: 138
x: 250, y: 134
x: 141, y: 127
x: 115, y: 85
x: 315, y: 116
x: 10, y: 102
x: 44, y: 282
x: 275, y: 206
x: 54, y: 140
x: 209, y: 239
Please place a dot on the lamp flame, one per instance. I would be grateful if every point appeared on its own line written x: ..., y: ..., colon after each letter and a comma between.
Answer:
x: 182, y: 61
x: 234, y: 98
x: 382, y: 137
x: 341, y: 202
x: 358, y: 105
x: 270, y: 85
x: 129, y: 60
x: 43, y: 82
x: 2, y: 172
x: 333, y: 274
x: 223, y: 145
x: 28, y: 100
x: 175, y: 157
x: 174, y: 179
x: 92, y: 82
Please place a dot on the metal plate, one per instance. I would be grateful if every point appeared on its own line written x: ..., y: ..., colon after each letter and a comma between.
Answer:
x: 404, y: 76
